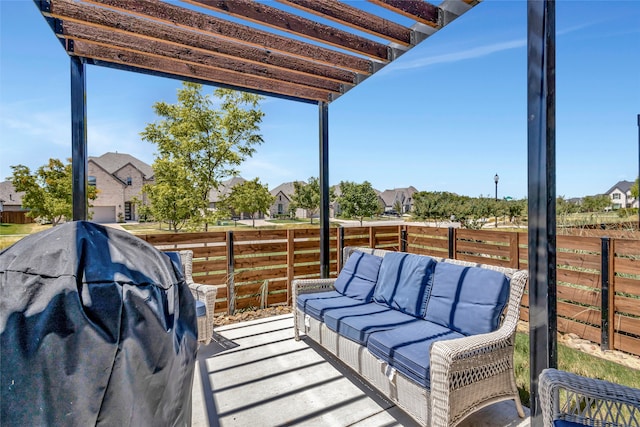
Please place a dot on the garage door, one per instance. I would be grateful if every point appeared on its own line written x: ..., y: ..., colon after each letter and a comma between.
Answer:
x: 104, y: 214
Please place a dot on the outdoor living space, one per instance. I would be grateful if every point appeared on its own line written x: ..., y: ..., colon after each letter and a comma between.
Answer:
x: 255, y: 373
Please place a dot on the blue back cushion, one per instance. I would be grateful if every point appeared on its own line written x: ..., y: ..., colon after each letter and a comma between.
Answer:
x: 404, y: 282
x: 358, y: 276
x: 468, y: 300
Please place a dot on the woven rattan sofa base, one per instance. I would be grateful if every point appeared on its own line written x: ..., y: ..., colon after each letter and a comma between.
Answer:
x: 467, y: 374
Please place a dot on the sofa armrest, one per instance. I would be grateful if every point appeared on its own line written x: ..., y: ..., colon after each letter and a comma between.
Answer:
x: 206, y: 294
x: 459, y: 368
x: 585, y: 400
x: 307, y: 286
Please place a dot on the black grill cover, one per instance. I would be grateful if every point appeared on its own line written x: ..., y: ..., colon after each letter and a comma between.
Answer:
x: 96, y: 327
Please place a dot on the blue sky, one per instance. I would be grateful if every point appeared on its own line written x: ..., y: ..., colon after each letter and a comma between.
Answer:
x: 447, y: 116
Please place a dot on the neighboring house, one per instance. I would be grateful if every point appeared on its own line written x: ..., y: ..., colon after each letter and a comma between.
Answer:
x: 620, y: 195
x: 283, y: 194
x: 216, y: 195
x: 119, y: 179
x: 402, y: 197
x: 11, y: 210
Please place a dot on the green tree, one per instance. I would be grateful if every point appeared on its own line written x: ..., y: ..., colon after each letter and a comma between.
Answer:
x: 201, y: 144
x: 307, y: 196
x: 48, y: 191
x: 250, y: 197
x: 635, y: 189
x: 595, y: 203
x: 172, y: 199
x: 358, y: 200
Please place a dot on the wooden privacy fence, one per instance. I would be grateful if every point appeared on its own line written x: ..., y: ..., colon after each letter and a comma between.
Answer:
x: 598, y: 278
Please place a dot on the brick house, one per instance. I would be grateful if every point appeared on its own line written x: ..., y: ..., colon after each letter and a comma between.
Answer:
x: 119, y: 179
x: 11, y: 210
x: 398, y: 197
x: 620, y: 195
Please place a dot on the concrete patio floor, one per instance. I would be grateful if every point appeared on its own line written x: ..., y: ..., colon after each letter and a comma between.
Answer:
x: 256, y: 374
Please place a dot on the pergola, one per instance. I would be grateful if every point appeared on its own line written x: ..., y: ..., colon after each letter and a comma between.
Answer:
x: 281, y: 52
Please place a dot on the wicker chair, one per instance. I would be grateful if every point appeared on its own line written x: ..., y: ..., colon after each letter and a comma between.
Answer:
x: 568, y: 399
x: 204, y: 293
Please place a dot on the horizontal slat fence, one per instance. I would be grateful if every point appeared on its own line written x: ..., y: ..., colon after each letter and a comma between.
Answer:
x: 255, y: 268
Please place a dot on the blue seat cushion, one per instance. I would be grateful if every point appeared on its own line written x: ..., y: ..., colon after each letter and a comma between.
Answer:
x: 201, y: 308
x: 467, y: 299
x: 407, y: 348
x: 317, y: 303
x: 564, y: 423
x: 357, y: 323
x: 359, y: 275
x: 404, y: 282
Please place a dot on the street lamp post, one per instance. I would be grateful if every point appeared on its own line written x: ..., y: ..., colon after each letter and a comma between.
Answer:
x: 495, y: 179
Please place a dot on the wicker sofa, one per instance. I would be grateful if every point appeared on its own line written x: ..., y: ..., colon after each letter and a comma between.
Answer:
x: 435, y: 336
x: 204, y: 293
x: 568, y: 399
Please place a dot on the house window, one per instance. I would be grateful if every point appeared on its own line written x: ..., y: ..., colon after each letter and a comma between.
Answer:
x: 280, y: 209
x: 92, y: 181
x: 128, y: 181
x: 615, y: 196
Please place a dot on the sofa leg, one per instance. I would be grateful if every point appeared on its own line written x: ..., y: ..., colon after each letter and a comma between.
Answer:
x: 519, y: 406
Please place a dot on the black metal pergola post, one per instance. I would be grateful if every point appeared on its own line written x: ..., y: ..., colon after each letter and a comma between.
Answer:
x: 324, y: 189
x: 79, y: 156
x: 542, y: 193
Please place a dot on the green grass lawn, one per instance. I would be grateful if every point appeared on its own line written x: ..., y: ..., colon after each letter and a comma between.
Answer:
x: 571, y: 360
x: 11, y: 233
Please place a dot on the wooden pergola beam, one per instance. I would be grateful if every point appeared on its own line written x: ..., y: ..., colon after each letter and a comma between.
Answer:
x: 355, y: 18
x: 279, y: 19
x: 180, y: 68
x: 419, y: 10
x: 133, y: 43
x: 198, y: 22
x: 116, y: 22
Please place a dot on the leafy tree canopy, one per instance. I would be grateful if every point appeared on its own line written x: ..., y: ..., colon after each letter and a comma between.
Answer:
x: 595, y: 203
x: 201, y: 143
x: 249, y: 197
x: 358, y: 200
x: 48, y: 191
x: 307, y: 196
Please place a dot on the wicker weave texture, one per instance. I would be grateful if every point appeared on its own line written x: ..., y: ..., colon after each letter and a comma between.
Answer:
x: 467, y: 374
x: 204, y: 293
x: 571, y: 397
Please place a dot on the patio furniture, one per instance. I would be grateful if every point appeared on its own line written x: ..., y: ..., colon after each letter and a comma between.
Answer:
x: 435, y: 336
x: 568, y: 399
x: 205, y: 296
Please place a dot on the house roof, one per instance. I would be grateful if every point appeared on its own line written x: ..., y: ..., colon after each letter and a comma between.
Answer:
x: 113, y: 162
x: 397, y: 194
x: 225, y: 188
x: 9, y: 195
x: 287, y: 188
x: 624, y: 186
x: 307, y: 50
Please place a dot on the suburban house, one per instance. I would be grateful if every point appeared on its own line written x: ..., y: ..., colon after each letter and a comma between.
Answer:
x: 398, y: 198
x: 283, y: 194
x: 620, y: 195
x: 119, y: 179
x: 223, y: 190
x: 11, y: 210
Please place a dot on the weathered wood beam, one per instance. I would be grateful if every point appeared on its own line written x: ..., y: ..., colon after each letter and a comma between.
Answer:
x: 117, y: 22
x: 199, y: 22
x: 134, y: 43
x: 180, y: 68
x: 279, y: 19
x: 354, y: 18
x: 419, y: 10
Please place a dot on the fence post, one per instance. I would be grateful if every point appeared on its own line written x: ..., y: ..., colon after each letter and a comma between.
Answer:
x: 340, y: 248
x: 452, y: 239
x: 231, y: 289
x: 372, y: 237
x: 604, y: 292
x: 290, y: 263
x: 403, y: 238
